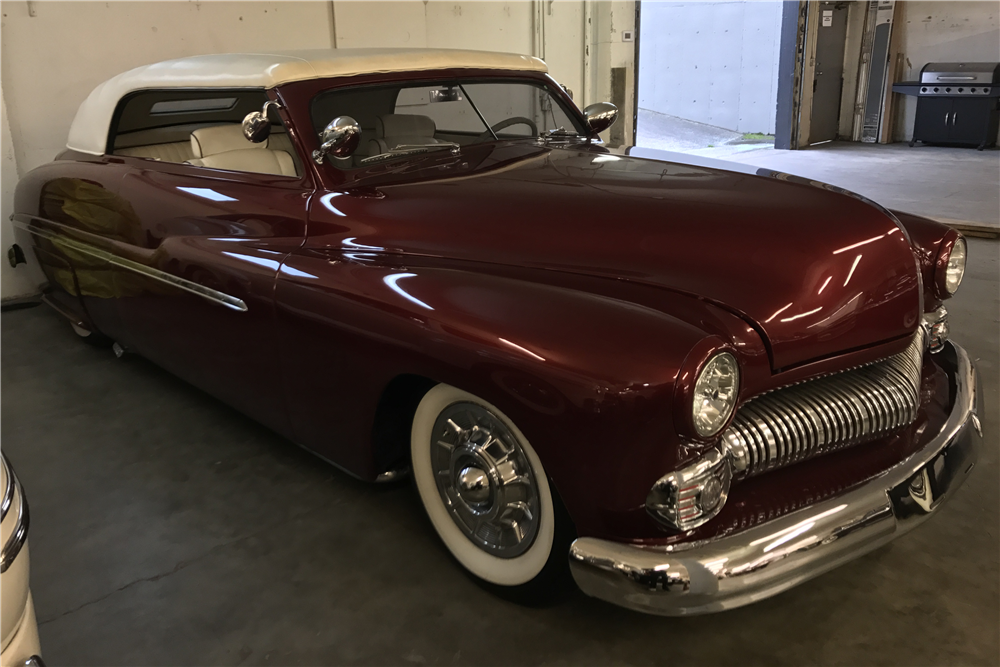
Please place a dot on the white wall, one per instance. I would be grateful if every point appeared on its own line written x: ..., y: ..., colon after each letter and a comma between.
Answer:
x: 52, y: 54
x: 711, y: 62
x: 14, y: 283
x: 52, y: 60
x: 943, y: 31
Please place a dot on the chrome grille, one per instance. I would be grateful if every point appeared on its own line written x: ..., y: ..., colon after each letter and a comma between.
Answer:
x: 832, y: 412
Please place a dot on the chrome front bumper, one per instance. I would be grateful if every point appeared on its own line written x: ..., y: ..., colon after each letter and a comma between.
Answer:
x: 714, y: 575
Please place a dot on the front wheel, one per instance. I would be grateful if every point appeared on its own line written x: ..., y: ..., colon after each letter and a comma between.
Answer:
x: 486, y: 493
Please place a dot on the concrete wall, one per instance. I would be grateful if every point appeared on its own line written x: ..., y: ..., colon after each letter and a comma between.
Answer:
x: 943, y: 31
x: 14, y: 283
x: 52, y: 54
x: 711, y: 62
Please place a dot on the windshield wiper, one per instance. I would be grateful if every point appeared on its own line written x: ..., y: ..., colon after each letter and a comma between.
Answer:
x: 412, y: 149
x: 560, y: 132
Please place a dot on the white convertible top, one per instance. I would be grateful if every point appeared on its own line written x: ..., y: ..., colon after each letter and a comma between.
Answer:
x: 89, y: 131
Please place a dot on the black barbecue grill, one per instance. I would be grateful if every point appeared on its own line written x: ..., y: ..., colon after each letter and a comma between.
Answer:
x: 957, y: 103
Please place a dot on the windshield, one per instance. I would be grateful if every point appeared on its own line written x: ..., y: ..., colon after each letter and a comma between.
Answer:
x: 420, y: 117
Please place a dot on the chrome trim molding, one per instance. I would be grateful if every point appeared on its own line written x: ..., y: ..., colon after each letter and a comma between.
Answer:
x: 814, y: 417
x: 731, y: 571
x: 25, y: 222
x: 20, y: 533
x: 8, y: 491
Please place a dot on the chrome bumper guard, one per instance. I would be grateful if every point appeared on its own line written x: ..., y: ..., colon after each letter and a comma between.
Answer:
x: 729, y: 572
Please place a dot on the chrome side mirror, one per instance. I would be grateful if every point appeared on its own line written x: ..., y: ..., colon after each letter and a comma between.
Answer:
x: 256, y: 124
x: 340, y: 139
x: 600, y: 116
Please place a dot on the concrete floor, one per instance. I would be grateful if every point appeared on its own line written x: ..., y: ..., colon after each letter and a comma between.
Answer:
x: 169, y: 529
x: 959, y: 184
x: 672, y: 133
x: 955, y: 185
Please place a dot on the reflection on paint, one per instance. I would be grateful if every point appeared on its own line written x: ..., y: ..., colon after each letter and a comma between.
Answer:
x: 801, y: 315
x: 777, y: 312
x: 391, y: 281
x: 522, y: 349
x: 858, y: 244
x: 325, y: 200
x: 851, y: 272
x: 352, y: 242
x: 296, y: 273
x: 207, y: 193
x: 260, y: 261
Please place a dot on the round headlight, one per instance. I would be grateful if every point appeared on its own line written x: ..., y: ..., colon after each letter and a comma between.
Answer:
x: 715, y: 394
x: 955, y: 269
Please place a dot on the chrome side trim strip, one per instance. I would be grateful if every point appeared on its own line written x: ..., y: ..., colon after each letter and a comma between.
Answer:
x: 233, y: 303
x: 20, y: 533
x: 737, y: 569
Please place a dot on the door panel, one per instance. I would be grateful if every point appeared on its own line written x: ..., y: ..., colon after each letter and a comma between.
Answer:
x: 199, y: 301
x: 933, y: 120
x: 829, y: 75
x: 969, y: 120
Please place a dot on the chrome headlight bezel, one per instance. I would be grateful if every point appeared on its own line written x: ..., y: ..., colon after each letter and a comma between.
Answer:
x: 707, y: 417
x: 951, y: 267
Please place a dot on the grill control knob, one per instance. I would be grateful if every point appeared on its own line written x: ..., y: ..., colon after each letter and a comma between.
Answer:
x: 972, y: 90
x: 961, y: 90
x: 937, y: 90
x: 924, y: 89
x: 947, y: 90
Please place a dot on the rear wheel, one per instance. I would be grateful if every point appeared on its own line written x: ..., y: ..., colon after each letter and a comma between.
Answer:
x: 486, y: 493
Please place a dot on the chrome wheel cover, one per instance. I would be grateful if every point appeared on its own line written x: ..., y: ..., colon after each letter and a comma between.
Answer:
x: 485, y: 480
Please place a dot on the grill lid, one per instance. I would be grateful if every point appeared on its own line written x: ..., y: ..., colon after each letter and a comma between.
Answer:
x: 960, y: 73
x: 829, y: 413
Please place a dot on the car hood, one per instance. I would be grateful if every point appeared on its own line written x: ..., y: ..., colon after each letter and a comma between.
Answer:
x: 816, y: 271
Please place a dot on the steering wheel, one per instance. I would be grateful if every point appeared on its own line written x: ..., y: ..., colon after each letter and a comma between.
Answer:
x: 507, y: 122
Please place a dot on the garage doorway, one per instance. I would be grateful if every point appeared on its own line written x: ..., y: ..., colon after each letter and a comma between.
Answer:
x: 708, y: 75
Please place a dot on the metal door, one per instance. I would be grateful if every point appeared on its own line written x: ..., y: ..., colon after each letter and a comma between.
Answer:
x: 933, y: 119
x: 970, y: 118
x: 829, y: 73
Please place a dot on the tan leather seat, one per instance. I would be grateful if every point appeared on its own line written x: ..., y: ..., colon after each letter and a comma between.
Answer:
x: 278, y: 163
x: 175, y: 151
x: 394, y: 129
x: 207, y: 141
x: 225, y: 147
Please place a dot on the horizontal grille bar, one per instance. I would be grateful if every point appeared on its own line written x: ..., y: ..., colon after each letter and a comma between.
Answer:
x: 829, y: 413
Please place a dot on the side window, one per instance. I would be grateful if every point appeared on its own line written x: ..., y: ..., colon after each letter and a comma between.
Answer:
x: 201, y: 128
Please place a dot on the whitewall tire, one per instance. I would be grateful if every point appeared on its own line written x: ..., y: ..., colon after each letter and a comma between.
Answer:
x: 483, y: 487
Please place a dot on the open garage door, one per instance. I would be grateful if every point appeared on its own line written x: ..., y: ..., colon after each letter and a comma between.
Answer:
x: 708, y: 75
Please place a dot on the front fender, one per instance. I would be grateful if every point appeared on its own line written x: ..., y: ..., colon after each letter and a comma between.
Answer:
x: 587, y: 377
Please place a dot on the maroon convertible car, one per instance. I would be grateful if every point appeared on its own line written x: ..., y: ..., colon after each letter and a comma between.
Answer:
x: 691, y: 388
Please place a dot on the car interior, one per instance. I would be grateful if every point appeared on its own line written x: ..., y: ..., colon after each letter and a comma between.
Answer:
x: 203, y: 128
